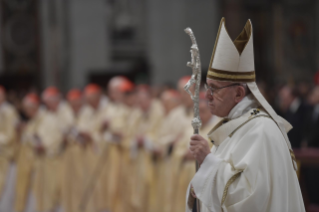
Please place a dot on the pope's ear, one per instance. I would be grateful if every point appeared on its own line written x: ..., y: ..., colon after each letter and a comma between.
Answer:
x: 240, y: 93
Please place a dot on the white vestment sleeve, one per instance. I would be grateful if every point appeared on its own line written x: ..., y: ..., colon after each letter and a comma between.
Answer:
x: 202, y: 180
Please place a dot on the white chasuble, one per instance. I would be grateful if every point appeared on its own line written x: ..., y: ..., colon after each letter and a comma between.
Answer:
x: 249, y: 168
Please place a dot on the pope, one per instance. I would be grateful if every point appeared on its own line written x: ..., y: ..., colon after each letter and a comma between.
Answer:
x: 251, y: 166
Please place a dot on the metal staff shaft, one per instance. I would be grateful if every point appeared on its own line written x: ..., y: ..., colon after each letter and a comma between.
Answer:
x: 195, y: 64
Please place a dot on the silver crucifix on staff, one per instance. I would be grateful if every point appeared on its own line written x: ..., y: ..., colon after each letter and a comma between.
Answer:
x: 195, y: 64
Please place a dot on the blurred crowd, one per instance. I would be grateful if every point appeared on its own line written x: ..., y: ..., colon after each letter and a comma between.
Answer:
x: 123, y: 150
x: 299, y: 105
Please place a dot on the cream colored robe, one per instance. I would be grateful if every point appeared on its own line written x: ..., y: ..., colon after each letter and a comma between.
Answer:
x: 171, y: 130
x: 249, y: 168
x: 8, y: 148
x: 66, y: 116
x: 141, y: 176
x: 47, y: 175
x: 111, y: 150
x: 47, y: 167
x: 42, y: 172
x: 25, y: 163
x: 92, y: 185
x: 126, y: 173
x: 185, y: 170
x: 75, y: 163
x: 103, y: 157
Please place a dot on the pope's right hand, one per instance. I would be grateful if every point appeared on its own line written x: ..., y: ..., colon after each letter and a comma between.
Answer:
x: 199, y: 148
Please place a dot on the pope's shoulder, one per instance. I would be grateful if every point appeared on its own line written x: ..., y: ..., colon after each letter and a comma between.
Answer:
x: 262, y: 125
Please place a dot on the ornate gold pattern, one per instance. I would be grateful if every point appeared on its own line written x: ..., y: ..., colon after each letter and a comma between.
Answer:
x: 229, y: 182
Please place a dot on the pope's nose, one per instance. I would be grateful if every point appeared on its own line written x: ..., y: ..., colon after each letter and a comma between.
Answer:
x: 208, y: 95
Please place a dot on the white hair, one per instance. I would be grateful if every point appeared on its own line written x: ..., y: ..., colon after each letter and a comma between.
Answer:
x: 247, y: 91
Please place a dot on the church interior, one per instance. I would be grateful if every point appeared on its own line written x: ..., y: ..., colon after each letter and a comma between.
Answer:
x: 113, y: 72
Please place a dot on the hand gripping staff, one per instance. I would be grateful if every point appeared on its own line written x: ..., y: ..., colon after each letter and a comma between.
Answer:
x: 195, y: 64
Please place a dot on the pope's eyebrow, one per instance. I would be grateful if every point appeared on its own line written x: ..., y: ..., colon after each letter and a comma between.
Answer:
x: 212, y: 85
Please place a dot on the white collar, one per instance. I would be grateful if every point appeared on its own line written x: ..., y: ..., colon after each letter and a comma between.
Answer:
x: 225, y: 128
x: 247, y: 103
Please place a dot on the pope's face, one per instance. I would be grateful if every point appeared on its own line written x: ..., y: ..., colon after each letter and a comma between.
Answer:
x: 223, y: 100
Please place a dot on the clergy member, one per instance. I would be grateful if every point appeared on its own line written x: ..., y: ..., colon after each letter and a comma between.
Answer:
x: 24, y: 195
x: 8, y: 146
x: 53, y: 101
x: 251, y: 166
x: 143, y: 136
x: 48, y: 140
x: 75, y: 166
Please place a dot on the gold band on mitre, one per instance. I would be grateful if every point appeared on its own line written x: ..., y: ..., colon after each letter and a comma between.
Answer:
x: 229, y: 76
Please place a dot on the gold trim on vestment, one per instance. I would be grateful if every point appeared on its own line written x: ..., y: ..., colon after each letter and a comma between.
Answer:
x: 229, y: 182
x: 293, y: 158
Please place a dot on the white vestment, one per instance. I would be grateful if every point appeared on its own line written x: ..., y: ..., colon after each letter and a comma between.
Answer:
x: 249, y: 168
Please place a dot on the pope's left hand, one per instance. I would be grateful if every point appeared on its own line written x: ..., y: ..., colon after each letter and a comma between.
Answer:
x: 199, y: 148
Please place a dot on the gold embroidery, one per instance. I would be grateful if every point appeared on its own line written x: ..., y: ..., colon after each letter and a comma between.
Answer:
x: 229, y: 182
x: 293, y: 158
x: 292, y: 154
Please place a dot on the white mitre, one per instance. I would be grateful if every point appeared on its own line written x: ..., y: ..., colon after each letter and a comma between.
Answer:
x: 233, y: 61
